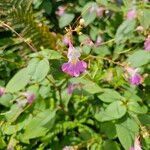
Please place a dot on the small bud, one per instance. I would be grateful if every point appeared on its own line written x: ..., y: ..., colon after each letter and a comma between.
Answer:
x: 80, y: 33
x: 2, y: 91
x: 82, y: 22
x: 140, y: 29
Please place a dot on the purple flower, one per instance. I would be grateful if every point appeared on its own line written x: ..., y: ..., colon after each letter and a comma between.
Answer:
x: 30, y: 97
x: 74, y: 67
x: 137, y: 145
x: 132, y: 14
x: 2, y: 91
x: 147, y: 44
x: 135, y: 78
x: 60, y: 11
x: 132, y: 148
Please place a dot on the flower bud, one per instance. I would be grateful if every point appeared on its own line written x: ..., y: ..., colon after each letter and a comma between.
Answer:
x: 2, y: 91
x: 82, y: 22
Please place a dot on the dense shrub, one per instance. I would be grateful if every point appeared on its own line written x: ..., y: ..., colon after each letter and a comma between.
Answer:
x: 74, y: 74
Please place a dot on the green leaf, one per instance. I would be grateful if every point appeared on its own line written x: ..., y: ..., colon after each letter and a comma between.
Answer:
x: 102, y: 50
x: 88, y: 16
x: 42, y: 70
x: 115, y: 110
x: 65, y: 20
x: 139, y: 58
x: 40, y: 123
x: 124, y: 31
x: 127, y: 129
x: 109, y: 95
x: 2, y: 143
x: 89, y: 86
x: 144, y: 19
x: 144, y: 119
x: 109, y: 129
x: 5, y: 100
x: 32, y: 65
x: 124, y: 137
x: 19, y: 81
x: 13, y: 113
x: 108, y: 145
x: 136, y: 108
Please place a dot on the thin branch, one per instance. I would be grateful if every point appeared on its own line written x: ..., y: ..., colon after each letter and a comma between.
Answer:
x: 25, y: 41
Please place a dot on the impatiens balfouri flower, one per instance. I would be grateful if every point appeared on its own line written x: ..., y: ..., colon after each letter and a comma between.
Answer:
x: 132, y: 14
x: 29, y: 96
x: 147, y: 44
x: 2, y: 91
x: 74, y: 66
x: 137, y: 145
x: 134, y: 77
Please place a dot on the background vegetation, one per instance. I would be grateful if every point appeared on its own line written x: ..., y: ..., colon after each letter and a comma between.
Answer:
x: 103, y: 109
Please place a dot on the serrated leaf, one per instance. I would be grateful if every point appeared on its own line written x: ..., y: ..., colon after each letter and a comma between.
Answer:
x: 19, y: 81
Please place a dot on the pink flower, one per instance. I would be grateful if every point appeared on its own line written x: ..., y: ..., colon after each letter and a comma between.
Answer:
x: 147, y: 44
x: 2, y: 91
x: 67, y: 148
x: 60, y: 11
x: 30, y: 97
x: 88, y: 42
x: 74, y: 67
x: 66, y: 40
x: 132, y: 14
x: 135, y: 78
x: 70, y: 88
x: 100, y: 11
x: 137, y: 145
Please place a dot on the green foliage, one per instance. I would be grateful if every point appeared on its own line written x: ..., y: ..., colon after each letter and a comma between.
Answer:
x: 104, y: 110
